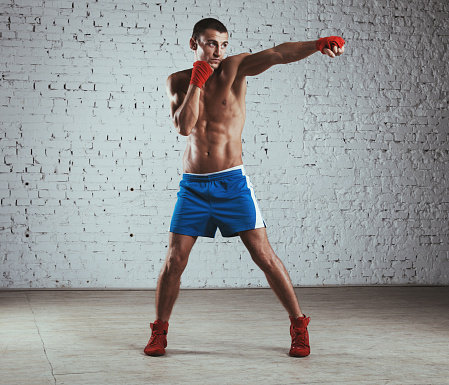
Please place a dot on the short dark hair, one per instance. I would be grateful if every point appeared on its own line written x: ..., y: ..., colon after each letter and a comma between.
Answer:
x: 208, y: 23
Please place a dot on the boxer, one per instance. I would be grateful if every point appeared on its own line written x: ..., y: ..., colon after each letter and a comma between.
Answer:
x: 207, y: 105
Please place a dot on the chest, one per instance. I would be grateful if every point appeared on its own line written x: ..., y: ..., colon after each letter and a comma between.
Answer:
x: 221, y: 102
x: 214, y: 102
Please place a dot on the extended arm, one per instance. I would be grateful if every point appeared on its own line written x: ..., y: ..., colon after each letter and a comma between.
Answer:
x: 282, y: 54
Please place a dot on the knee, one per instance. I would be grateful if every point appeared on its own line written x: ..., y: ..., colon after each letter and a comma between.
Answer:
x: 175, y: 263
x: 265, y: 259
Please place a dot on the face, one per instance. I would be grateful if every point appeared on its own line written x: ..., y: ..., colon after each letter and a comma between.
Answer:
x: 210, y: 47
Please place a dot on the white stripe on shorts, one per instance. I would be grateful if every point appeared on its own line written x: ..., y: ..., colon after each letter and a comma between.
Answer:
x: 259, y: 219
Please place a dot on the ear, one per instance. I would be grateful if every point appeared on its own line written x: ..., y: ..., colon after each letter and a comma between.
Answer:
x: 193, y: 44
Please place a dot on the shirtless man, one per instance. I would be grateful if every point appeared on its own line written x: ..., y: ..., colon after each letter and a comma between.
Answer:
x: 208, y: 107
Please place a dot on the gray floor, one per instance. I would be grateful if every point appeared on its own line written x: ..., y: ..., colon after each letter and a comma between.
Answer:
x: 359, y: 335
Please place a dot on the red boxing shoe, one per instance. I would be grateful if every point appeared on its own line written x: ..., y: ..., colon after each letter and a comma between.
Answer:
x: 158, y: 341
x: 300, y: 337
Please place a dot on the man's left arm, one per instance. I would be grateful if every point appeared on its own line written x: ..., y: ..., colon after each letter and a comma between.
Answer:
x: 254, y: 64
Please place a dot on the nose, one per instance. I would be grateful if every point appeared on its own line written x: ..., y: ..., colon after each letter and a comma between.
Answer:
x: 218, y: 51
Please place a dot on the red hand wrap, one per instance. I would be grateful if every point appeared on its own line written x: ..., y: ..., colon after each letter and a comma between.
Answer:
x: 329, y: 42
x: 200, y: 73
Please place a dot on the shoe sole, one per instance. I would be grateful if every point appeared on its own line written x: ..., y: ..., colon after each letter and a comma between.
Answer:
x: 298, y: 355
x: 154, y: 354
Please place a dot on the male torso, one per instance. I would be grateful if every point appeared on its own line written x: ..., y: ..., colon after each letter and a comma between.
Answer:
x: 215, y: 143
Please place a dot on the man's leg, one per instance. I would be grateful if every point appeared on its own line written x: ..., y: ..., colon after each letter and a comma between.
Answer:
x: 256, y: 241
x: 170, y: 276
x: 168, y: 290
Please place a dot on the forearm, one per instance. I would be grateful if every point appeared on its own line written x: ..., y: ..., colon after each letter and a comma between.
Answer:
x: 186, y: 115
x: 291, y: 52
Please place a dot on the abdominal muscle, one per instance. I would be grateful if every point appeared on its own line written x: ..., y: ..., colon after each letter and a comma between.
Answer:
x: 213, y: 148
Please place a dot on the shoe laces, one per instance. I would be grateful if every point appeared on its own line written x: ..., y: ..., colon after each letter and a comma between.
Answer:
x: 299, y: 337
x: 157, y: 337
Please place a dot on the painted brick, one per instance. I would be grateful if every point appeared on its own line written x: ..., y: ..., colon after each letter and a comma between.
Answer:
x: 348, y: 156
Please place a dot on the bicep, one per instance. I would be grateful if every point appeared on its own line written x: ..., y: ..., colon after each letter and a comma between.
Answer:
x: 176, y: 102
x: 175, y: 96
x: 254, y: 64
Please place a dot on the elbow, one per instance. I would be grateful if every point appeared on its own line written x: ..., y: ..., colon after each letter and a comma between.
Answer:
x: 285, y: 53
x: 184, y: 124
x: 183, y: 129
x: 184, y: 132
x: 278, y: 56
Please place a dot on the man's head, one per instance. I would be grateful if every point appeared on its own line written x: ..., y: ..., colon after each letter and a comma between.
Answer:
x: 209, y: 41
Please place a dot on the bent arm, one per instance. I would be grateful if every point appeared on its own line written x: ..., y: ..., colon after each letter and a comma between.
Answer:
x: 254, y: 64
x: 184, y: 107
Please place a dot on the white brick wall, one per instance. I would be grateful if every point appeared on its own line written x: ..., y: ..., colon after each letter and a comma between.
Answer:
x: 349, y: 157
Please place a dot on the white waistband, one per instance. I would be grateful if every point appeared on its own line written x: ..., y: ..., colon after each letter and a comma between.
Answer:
x: 219, y: 172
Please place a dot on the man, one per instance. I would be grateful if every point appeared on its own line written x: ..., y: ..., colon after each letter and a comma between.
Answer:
x: 208, y: 107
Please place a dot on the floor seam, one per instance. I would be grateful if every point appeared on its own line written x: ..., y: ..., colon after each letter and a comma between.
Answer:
x: 40, y: 336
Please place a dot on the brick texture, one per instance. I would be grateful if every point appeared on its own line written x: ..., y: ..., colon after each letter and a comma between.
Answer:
x: 349, y: 157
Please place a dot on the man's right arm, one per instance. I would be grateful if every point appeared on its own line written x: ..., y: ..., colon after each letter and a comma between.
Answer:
x: 184, y: 107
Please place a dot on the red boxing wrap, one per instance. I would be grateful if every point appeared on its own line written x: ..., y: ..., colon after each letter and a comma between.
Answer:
x: 329, y: 42
x: 200, y: 73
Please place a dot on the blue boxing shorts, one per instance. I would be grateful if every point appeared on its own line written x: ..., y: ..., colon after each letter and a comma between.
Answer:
x: 223, y: 199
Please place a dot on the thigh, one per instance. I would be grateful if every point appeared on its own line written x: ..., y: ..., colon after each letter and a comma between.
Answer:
x: 180, y: 244
x: 256, y: 241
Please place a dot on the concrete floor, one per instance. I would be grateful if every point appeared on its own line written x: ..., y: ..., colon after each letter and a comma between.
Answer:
x: 358, y: 335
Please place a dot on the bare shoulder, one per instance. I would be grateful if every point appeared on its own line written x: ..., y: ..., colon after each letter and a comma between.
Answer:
x: 178, y: 82
x: 230, y: 69
x: 232, y: 63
